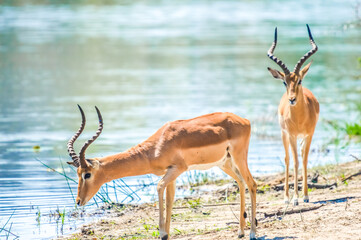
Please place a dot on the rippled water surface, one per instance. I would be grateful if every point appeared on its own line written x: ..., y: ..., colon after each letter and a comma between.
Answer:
x: 144, y: 63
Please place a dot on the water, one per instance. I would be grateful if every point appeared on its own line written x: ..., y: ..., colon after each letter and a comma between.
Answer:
x: 148, y: 62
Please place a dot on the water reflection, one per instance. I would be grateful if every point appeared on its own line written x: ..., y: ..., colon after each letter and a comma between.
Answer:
x: 147, y: 63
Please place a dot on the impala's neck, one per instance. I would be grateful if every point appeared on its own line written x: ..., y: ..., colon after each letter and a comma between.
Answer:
x: 133, y: 162
x: 299, y: 110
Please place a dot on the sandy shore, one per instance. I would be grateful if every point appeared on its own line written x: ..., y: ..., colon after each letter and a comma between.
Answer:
x: 334, y: 212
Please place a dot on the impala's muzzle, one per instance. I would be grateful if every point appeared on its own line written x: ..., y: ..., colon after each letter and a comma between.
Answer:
x: 79, y: 202
x: 292, y: 101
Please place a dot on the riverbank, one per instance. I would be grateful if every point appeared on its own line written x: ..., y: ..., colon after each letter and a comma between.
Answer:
x: 334, y: 211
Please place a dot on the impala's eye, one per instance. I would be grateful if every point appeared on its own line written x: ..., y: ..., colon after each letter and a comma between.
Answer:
x: 299, y: 82
x: 284, y: 83
x: 87, y: 175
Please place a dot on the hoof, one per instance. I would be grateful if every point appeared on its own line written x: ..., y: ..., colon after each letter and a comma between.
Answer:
x: 240, y: 233
x: 295, y: 202
x: 286, y: 201
x: 165, y: 237
x: 252, y: 236
x: 306, y: 199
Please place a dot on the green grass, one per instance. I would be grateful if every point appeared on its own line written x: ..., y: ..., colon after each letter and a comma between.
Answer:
x: 38, y: 216
x: 194, y: 203
x: 62, y: 217
x: 264, y: 188
x: 196, y: 178
x: 353, y: 129
x: 155, y: 233
x: 7, y: 231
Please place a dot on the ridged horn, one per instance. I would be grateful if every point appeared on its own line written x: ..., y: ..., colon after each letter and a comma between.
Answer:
x: 83, y: 162
x: 72, y: 154
x: 274, y: 58
x: 308, y: 54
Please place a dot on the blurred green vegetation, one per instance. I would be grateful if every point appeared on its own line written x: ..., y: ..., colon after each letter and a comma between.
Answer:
x: 353, y: 130
x: 345, y: 133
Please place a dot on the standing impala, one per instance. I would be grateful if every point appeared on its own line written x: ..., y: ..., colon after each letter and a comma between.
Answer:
x: 298, y: 114
x: 217, y: 139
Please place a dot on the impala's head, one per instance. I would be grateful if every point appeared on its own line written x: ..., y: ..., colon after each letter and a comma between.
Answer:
x: 292, y: 80
x: 89, y: 173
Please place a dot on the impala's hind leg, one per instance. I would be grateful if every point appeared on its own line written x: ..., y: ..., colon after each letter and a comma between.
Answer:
x: 239, y: 158
x: 229, y: 169
x: 170, y: 192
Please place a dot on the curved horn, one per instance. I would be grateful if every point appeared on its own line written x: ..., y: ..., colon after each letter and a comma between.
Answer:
x: 308, y: 54
x: 83, y: 162
x: 274, y: 58
x: 71, y: 151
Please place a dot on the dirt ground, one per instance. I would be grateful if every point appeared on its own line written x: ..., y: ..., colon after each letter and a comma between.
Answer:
x: 334, y: 212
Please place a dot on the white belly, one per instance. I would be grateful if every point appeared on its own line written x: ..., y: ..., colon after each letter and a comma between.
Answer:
x: 207, y: 166
x: 301, y: 136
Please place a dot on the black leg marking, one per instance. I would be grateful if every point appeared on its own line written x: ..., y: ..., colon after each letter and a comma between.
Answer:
x: 245, y: 215
x: 165, y: 237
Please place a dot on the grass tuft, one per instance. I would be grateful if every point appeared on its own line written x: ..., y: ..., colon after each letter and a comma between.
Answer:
x: 8, y: 231
x: 118, y: 191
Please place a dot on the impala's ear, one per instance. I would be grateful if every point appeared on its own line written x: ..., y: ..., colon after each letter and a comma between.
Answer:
x: 93, y: 163
x: 304, y: 70
x: 72, y: 163
x: 276, y: 74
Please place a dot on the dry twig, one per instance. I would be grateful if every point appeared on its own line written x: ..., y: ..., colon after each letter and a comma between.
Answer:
x: 281, y: 187
x: 292, y: 211
x: 351, y: 176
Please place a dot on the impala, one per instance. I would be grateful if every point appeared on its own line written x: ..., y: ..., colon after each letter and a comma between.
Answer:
x: 217, y: 139
x: 298, y: 114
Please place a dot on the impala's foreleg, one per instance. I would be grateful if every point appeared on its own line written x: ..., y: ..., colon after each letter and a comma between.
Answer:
x: 286, y: 145
x: 305, y: 150
x: 293, y: 143
x: 171, y: 175
x: 232, y: 172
